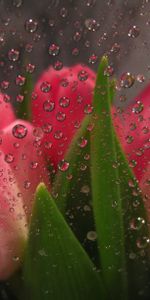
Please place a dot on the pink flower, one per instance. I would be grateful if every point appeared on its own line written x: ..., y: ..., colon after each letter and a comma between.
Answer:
x: 62, y: 98
x: 22, y: 167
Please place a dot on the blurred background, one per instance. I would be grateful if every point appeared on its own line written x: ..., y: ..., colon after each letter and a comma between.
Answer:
x: 36, y: 34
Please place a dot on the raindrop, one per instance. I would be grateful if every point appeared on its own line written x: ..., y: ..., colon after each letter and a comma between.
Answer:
x: 47, y: 128
x: 33, y: 164
x: 45, y: 86
x: 30, y: 68
x: 31, y: 25
x: 63, y: 12
x: 64, y: 102
x: 129, y: 139
x: 138, y: 108
x: 19, y: 98
x: 63, y: 165
x: 134, y: 31
x: 20, y: 80
x: 17, y: 3
x: 82, y: 142
x: 9, y: 158
x: 13, y: 55
x: 88, y: 109
x: 27, y: 184
x: 92, y: 24
x: 5, y: 84
x: 127, y: 80
x: 53, y: 49
x: 137, y: 223
x: 19, y: 131
x: 92, y: 235
x: 58, y: 65
x: 48, y: 106
x: 93, y: 59
x: 61, y: 116
x: 140, y: 78
x: 58, y: 134
x: 83, y: 75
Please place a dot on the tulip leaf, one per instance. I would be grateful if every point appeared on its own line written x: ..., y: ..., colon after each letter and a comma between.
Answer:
x: 113, y: 199
x: 56, y: 266
x: 23, y: 108
x: 101, y: 189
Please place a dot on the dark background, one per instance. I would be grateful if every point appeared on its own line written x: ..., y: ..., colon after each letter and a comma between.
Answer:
x: 81, y: 29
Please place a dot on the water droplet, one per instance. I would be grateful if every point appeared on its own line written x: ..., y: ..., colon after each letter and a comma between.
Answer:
x: 83, y: 75
x: 137, y: 223
x: 48, y: 106
x: 140, y: 78
x: 31, y: 25
x: 75, y: 51
x: 17, y: 3
x: 27, y: 184
x: 19, y: 98
x: 20, y: 80
x: 63, y: 12
x: 64, y: 102
x: 115, y: 48
x: 109, y: 71
x: 19, y: 131
x: 63, y: 165
x: 90, y: 3
x: 53, y: 49
x: 5, y: 85
x: 134, y: 31
x: 30, y: 68
x: 91, y: 24
x: 58, y: 134
x: 47, y: 127
x: 88, y: 109
x: 58, y: 65
x: 45, y: 86
x: 93, y: 59
x: 82, y: 142
x: 92, y: 235
x: 29, y: 48
x: 85, y: 189
x: 129, y: 139
x: 6, y: 98
x: 33, y: 164
x: 61, y: 116
x: 9, y: 158
x: 138, y: 107
x: 13, y: 55
x: 143, y: 242
x: 127, y: 80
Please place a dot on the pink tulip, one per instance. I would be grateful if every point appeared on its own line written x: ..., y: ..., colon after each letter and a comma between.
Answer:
x: 22, y: 167
x: 62, y: 98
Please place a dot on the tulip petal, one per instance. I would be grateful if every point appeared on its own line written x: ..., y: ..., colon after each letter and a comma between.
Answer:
x: 21, y: 145
x: 6, y: 113
x: 13, y: 229
x: 68, y: 101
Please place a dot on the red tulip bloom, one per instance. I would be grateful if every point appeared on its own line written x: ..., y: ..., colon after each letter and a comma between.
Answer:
x: 62, y: 98
x: 22, y: 167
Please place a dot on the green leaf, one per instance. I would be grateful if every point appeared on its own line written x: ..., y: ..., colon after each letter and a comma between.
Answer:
x: 56, y: 266
x: 112, y: 198
x: 23, y: 109
x: 107, y: 177
x: 72, y: 191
